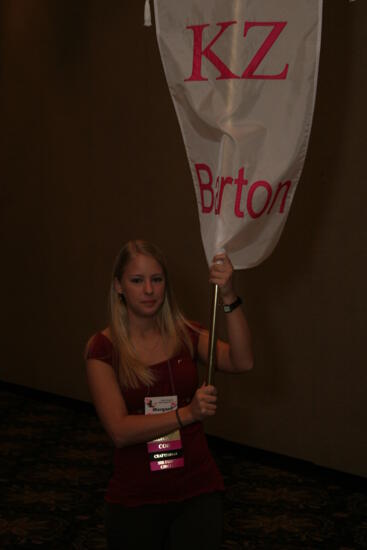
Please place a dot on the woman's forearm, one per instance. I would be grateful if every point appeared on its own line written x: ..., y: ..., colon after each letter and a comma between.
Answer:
x: 139, y: 428
x: 237, y: 355
x: 239, y: 339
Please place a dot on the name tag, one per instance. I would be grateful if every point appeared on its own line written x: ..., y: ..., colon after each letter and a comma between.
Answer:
x: 164, y: 452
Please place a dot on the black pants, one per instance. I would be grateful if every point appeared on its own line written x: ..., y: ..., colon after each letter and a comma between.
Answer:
x: 194, y: 524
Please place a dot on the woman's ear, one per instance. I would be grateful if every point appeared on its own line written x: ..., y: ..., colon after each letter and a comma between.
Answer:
x: 117, y: 286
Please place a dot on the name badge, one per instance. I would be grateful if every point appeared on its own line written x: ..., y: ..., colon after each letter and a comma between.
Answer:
x: 164, y: 452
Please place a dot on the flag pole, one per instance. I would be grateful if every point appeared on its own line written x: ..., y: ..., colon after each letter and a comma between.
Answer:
x: 223, y: 159
x: 212, y: 334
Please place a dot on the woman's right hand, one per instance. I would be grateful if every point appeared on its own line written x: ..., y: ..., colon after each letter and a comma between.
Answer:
x: 204, y: 402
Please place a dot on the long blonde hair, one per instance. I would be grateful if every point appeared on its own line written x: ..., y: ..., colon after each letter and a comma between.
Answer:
x: 170, y: 321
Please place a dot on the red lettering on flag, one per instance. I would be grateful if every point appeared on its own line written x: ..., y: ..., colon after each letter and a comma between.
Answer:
x: 265, y: 185
x: 208, y: 187
x: 199, y: 52
x: 263, y: 51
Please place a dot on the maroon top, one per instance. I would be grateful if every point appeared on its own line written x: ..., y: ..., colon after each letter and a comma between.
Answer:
x: 132, y: 482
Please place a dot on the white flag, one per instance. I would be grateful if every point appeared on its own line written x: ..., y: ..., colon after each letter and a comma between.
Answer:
x: 242, y: 75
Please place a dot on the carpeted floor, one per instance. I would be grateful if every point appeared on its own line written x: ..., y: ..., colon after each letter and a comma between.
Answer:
x: 55, y: 461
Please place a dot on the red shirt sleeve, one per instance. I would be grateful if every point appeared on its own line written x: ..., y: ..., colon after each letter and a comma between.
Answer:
x: 101, y: 348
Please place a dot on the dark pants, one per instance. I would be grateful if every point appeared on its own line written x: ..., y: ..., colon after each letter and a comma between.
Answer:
x: 194, y: 524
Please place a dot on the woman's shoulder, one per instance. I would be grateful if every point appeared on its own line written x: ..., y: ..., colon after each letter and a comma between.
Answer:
x: 194, y: 328
x: 100, y: 346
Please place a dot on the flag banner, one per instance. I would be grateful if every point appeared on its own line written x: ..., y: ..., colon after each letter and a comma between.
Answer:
x: 242, y: 75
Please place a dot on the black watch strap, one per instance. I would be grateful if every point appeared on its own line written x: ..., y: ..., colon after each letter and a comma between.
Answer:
x: 230, y: 307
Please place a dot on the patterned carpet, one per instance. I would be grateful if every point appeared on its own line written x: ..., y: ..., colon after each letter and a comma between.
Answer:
x: 55, y: 461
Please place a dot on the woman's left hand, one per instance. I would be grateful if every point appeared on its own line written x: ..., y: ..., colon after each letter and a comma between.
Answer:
x: 221, y: 273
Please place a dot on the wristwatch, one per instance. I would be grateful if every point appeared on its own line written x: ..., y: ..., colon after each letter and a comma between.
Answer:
x: 230, y: 307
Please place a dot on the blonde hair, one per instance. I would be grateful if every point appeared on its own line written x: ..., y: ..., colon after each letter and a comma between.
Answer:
x: 170, y: 321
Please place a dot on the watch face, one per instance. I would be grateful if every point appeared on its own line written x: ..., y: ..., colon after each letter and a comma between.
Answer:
x: 227, y: 308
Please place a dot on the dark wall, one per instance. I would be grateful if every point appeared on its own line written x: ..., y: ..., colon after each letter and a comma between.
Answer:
x: 91, y: 155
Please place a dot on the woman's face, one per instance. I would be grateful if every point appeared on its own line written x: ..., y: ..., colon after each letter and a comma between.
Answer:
x: 143, y: 285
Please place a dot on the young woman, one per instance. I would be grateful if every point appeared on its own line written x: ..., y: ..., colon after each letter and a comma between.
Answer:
x: 166, y: 491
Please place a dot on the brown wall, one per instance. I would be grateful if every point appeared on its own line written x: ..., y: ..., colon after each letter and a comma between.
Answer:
x: 91, y: 155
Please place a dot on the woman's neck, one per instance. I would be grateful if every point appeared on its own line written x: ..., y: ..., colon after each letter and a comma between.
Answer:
x: 142, y: 327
